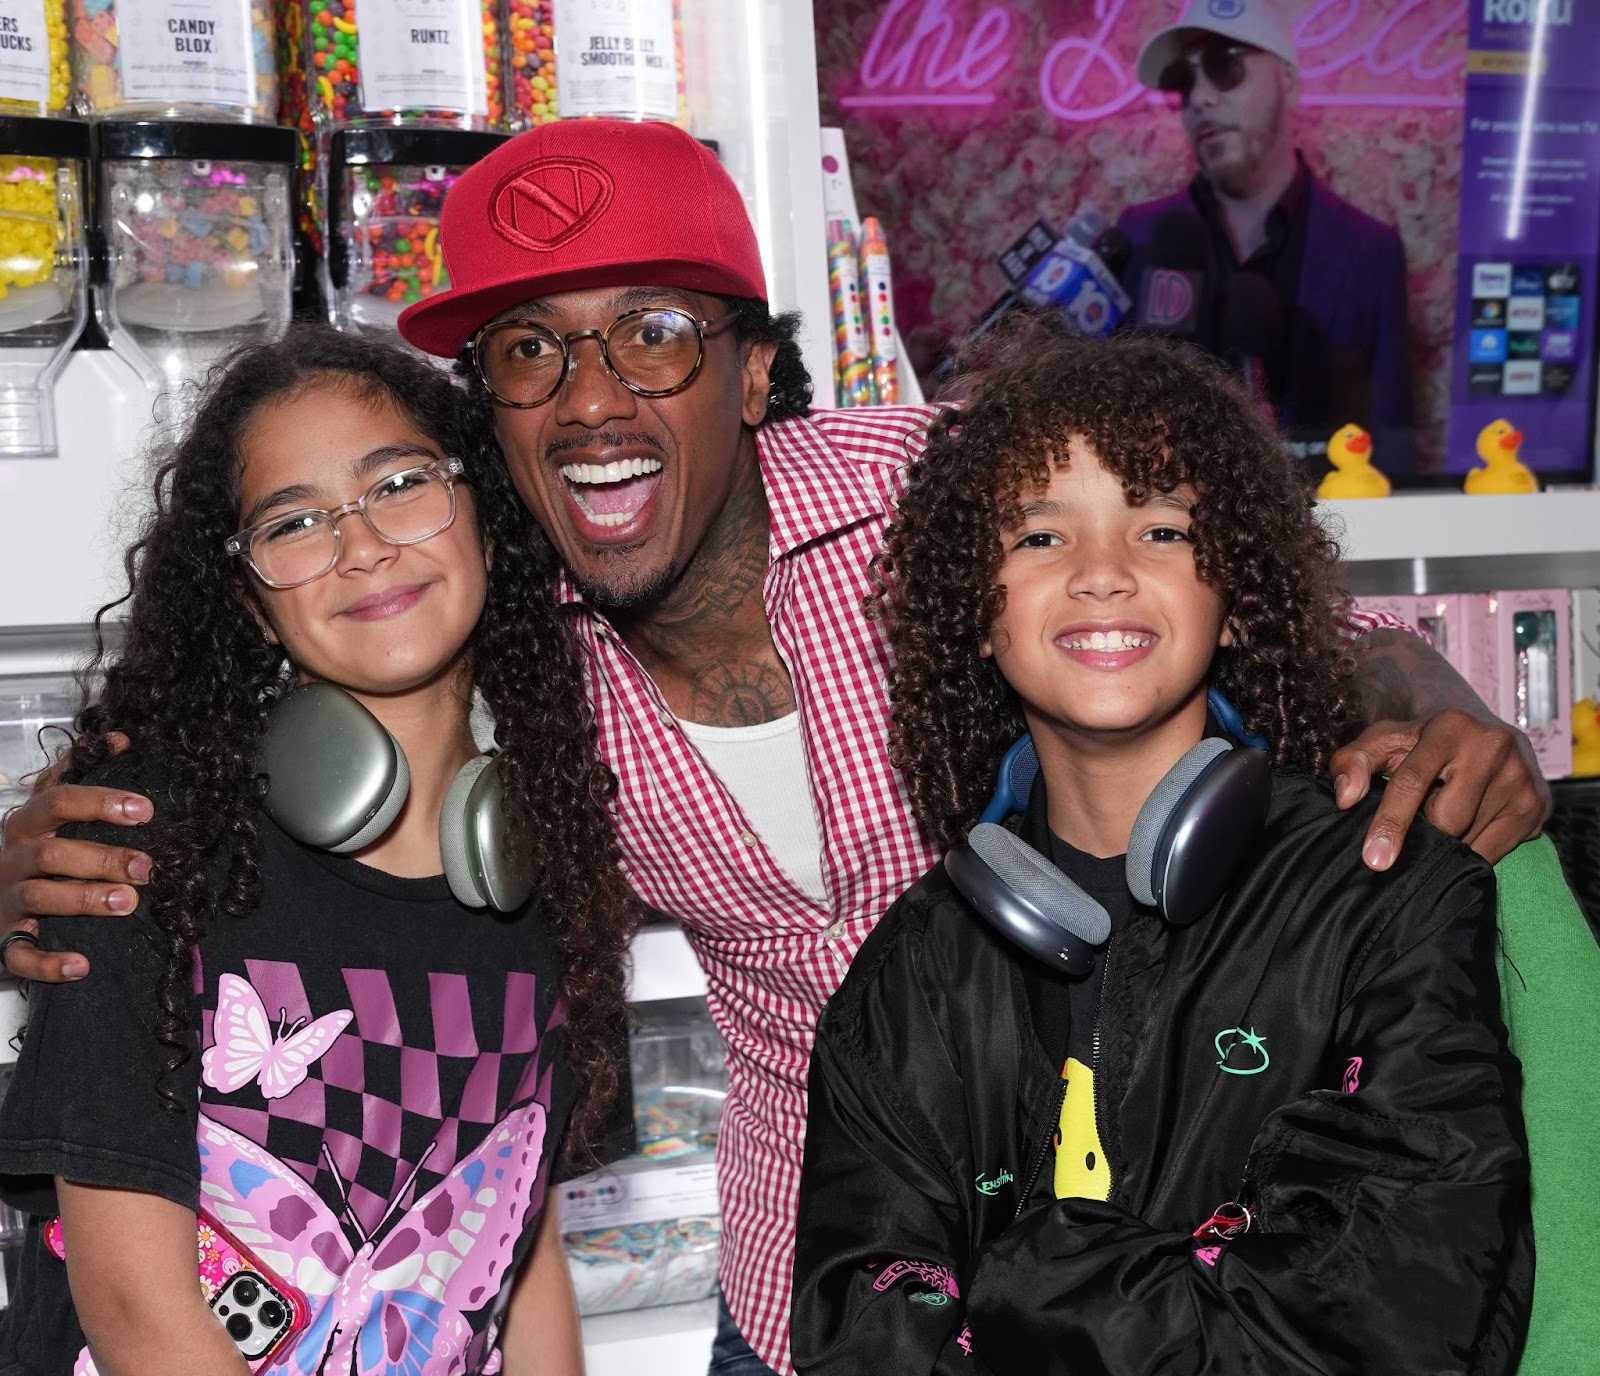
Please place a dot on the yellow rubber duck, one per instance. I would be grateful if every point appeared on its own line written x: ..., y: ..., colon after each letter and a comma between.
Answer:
x: 1585, y: 736
x: 1350, y: 453
x: 1498, y: 443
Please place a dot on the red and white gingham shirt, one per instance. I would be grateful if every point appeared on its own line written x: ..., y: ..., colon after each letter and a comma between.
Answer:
x: 772, y: 955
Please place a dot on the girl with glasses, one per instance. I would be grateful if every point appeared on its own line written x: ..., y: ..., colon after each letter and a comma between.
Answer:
x: 325, y: 1076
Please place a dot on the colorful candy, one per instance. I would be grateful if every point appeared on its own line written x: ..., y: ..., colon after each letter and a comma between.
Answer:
x: 533, y: 63
x: 59, y: 81
x: 852, y: 360
x: 30, y: 222
x: 191, y: 239
x: 395, y: 232
x: 334, y: 70
x: 102, y: 87
x: 670, y: 1261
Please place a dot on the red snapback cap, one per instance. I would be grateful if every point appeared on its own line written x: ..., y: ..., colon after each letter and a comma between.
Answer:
x: 584, y: 203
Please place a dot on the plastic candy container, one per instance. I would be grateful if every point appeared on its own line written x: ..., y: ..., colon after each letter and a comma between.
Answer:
x: 209, y: 59
x: 623, y: 59
x: 433, y: 60
x: 197, y: 225
x: 294, y: 109
x: 679, y: 1071
x: 642, y: 1233
x: 387, y: 186
x: 35, y: 71
x: 533, y: 63
x: 667, y: 1261
x: 43, y: 272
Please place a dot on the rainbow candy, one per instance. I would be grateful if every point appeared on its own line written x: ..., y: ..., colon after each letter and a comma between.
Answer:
x: 875, y: 291
x: 852, y: 362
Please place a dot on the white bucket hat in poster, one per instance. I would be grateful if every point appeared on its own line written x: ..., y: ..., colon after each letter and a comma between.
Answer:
x: 1260, y: 23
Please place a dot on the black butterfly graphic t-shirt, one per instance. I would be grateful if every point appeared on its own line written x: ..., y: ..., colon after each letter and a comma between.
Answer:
x: 371, y: 1107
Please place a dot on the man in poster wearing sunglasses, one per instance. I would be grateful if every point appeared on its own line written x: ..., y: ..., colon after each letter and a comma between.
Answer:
x: 1331, y: 280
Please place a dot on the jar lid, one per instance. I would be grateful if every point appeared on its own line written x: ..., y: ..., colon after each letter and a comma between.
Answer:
x: 191, y: 141
x: 25, y: 137
x: 390, y: 145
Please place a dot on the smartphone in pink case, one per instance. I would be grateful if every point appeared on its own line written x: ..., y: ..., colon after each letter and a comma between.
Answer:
x: 261, y: 1311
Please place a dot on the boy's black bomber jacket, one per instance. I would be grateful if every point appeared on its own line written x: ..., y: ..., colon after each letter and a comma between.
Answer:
x: 1391, y: 1229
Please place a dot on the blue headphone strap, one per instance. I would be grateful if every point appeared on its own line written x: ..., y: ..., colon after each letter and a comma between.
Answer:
x: 1019, y: 766
x: 1228, y: 717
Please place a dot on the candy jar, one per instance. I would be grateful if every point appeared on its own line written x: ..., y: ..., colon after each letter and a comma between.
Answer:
x: 35, y: 72
x: 205, y: 59
x: 197, y: 223
x: 386, y: 189
x: 530, y: 30
x: 43, y: 268
x: 622, y: 59
x: 437, y: 62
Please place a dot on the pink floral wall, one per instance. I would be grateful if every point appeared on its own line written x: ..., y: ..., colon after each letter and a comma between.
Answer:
x: 967, y: 121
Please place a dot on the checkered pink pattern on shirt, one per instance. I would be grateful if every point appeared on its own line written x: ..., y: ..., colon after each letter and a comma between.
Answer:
x: 772, y: 955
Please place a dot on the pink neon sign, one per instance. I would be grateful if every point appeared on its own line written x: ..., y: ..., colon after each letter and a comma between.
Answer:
x: 1353, y: 53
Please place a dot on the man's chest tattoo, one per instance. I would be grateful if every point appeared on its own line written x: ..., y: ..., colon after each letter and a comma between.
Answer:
x: 743, y: 693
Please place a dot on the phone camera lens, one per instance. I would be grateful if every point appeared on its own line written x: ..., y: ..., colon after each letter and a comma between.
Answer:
x: 240, y: 1327
x: 271, y: 1315
x: 246, y: 1292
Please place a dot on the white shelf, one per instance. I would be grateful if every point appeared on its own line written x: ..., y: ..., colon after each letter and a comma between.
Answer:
x: 1452, y: 525
x: 673, y: 1340
x: 664, y: 967
x: 13, y: 1013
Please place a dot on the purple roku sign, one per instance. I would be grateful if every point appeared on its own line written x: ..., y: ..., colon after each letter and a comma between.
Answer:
x: 1530, y: 228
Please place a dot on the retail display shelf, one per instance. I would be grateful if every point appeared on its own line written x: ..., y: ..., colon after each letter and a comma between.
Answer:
x: 1452, y: 525
x: 663, y: 966
x: 672, y: 1340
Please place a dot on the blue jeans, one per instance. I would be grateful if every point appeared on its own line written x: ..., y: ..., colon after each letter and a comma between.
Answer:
x: 731, y: 1355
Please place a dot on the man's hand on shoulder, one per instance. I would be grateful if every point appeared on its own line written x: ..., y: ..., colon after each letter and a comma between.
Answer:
x: 43, y: 874
x: 1446, y: 754
x: 1473, y: 777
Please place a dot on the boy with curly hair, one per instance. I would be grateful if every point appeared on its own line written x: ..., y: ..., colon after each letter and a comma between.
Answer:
x: 1284, y: 1136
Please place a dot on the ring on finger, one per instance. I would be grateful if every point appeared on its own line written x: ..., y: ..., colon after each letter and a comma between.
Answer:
x: 8, y: 938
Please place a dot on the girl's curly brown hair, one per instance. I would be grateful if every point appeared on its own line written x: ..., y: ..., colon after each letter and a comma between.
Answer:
x: 194, y: 681
x: 1157, y: 415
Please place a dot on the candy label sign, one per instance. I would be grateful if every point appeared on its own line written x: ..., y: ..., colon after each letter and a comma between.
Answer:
x: 24, y: 52
x: 426, y: 53
x: 187, y: 50
x: 617, y: 57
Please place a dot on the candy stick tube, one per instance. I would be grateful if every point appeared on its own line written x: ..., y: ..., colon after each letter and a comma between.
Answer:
x: 850, y: 346
x: 879, y: 306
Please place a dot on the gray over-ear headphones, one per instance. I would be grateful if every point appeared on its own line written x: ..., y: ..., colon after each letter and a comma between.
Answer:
x: 336, y: 779
x: 1191, y: 834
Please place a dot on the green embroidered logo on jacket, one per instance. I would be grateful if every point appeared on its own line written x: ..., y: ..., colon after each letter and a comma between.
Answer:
x: 992, y: 1187
x: 1241, y: 1051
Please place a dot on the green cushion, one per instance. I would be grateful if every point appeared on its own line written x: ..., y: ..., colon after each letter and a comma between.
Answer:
x: 1550, y: 999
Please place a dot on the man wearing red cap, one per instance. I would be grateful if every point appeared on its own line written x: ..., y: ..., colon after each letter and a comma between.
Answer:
x: 609, y: 305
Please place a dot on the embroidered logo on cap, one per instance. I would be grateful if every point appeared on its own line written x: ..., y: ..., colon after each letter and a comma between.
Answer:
x: 543, y: 205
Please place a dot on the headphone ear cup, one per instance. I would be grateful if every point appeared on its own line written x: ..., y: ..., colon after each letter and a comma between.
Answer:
x: 336, y: 778
x: 1027, y: 899
x: 455, y: 841
x: 473, y: 841
x: 388, y: 809
x: 1196, y: 827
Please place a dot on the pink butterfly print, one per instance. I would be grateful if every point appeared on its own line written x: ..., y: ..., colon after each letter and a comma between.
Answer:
x: 244, y: 1047
x: 399, y: 1306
